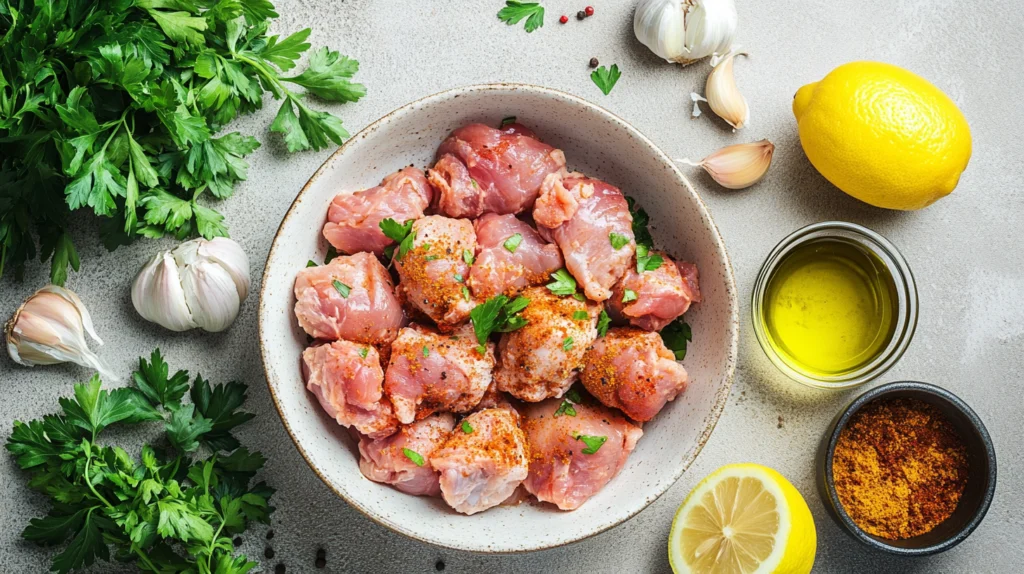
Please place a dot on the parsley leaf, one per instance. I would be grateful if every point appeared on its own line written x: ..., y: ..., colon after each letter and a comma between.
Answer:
x: 640, y: 222
x: 580, y: 316
x: 399, y: 232
x: 507, y: 120
x: 513, y: 242
x: 363, y: 352
x: 152, y: 380
x: 343, y: 289
x: 497, y: 314
x: 567, y: 344
x: 593, y: 443
x: 676, y: 335
x: 603, y: 320
x: 467, y: 256
x: 647, y: 261
x: 426, y: 352
x: 414, y: 456
x: 466, y: 427
x: 514, y: 11
x: 311, y: 263
x: 628, y: 295
x: 563, y: 283
x: 605, y: 78
x: 617, y: 240
x: 566, y: 408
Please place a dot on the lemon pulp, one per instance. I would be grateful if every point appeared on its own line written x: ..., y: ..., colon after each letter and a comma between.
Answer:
x: 829, y: 308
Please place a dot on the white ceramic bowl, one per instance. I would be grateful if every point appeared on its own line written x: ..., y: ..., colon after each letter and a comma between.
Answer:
x: 596, y: 143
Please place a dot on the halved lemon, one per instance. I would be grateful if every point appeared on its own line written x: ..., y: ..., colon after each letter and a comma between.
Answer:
x: 743, y: 519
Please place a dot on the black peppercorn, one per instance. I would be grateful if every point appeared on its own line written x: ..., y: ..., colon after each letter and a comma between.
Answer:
x: 593, y: 62
x: 439, y: 566
x: 581, y: 15
x: 270, y: 534
x: 279, y: 569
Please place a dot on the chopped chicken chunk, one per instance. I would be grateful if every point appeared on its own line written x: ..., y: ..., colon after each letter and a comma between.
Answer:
x: 346, y: 378
x: 658, y: 296
x: 510, y: 255
x: 433, y: 272
x: 403, y: 459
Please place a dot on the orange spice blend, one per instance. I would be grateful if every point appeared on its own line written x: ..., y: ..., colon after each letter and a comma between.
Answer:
x: 899, y: 468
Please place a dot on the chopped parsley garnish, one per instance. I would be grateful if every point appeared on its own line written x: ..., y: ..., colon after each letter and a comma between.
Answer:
x: 579, y: 297
x: 676, y: 335
x: 425, y: 246
x: 593, y: 443
x: 513, y: 242
x: 507, y: 121
x: 628, y: 295
x: 514, y: 11
x: 605, y: 78
x: 645, y: 260
x: 465, y: 293
x: 467, y: 256
x: 414, y: 456
x: 580, y: 316
x: 640, y: 223
x: 603, y: 320
x: 563, y: 283
x: 497, y: 314
x: 426, y: 351
x: 342, y: 288
x: 466, y: 427
x: 311, y: 263
x: 475, y: 184
x: 431, y: 257
x: 566, y: 408
x: 617, y: 240
x: 482, y: 349
x: 567, y: 343
x: 363, y: 352
x: 331, y: 254
x: 457, y: 277
x: 399, y: 232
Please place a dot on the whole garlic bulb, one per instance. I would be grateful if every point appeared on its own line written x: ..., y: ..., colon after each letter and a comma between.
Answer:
x: 201, y: 283
x: 684, y: 31
x: 50, y: 328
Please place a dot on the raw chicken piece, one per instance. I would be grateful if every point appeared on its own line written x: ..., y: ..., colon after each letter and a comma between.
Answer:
x: 581, y: 214
x: 434, y: 271
x: 431, y: 372
x: 662, y: 295
x: 346, y: 378
x: 633, y: 371
x: 499, y: 270
x: 482, y: 468
x: 384, y: 460
x: 542, y: 359
x: 353, y: 220
x: 560, y: 472
x: 495, y: 399
x: 364, y: 309
x: 484, y: 170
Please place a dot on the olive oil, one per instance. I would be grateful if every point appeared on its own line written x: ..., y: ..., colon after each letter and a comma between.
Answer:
x: 830, y: 307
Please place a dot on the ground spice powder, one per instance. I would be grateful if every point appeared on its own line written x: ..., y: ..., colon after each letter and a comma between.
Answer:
x: 899, y: 468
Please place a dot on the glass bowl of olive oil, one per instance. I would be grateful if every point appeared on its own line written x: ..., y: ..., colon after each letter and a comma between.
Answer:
x: 835, y: 305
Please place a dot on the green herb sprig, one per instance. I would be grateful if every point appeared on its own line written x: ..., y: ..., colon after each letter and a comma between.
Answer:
x: 514, y: 11
x: 167, y: 510
x: 117, y: 108
x: 497, y: 314
x: 606, y: 78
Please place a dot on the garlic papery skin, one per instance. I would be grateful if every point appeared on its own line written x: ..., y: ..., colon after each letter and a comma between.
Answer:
x: 738, y: 166
x: 724, y: 97
x: 201, y: 283
x: 684, y: 31
x: 50, y: 328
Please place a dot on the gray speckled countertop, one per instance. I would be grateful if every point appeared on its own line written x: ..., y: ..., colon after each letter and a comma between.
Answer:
x: 965, y: 252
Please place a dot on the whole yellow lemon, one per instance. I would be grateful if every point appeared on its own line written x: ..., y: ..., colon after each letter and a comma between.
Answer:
x: 883, y: 135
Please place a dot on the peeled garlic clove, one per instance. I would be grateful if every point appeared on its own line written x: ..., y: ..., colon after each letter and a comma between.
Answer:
x: 211, y: 295
x: 50, y: 328
x: 684, y: 31
x: 738, y: 166
x: 200, y: 283
x: 158, y: 296
x: 724, y: 97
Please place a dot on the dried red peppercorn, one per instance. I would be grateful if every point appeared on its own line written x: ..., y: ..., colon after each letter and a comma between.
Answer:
x: 563, y: 19
x: 589, y: 10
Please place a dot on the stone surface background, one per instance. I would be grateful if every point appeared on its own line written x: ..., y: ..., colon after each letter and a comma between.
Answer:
x: 965, y: 252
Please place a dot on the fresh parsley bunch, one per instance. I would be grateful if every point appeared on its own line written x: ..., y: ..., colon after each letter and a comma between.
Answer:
x: 115, y: 106
x: 166, y: 511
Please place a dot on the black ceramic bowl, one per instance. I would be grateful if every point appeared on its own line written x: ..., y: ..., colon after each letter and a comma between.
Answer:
x: 981, y: 479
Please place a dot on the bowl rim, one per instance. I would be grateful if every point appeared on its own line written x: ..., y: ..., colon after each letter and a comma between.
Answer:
x: 721, y: 397
x: 832, y: 437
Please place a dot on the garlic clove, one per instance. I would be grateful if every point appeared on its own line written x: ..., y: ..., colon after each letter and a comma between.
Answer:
x: 738, y: 166
x: 229, y: 255
x: 211, y: 295
x: 684, y: 31
x: 50, y: 328
x: 158, y: 296
x: 724, y: 97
